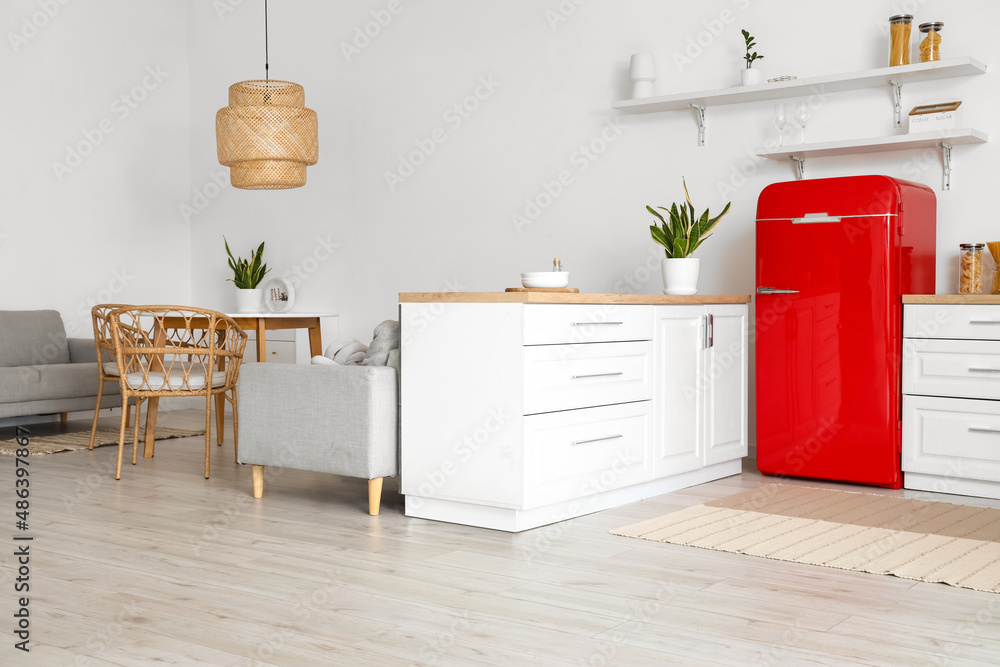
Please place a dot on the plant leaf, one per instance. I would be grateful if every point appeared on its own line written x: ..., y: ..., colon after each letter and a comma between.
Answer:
x: 660, y: 217
x: 660, y: 238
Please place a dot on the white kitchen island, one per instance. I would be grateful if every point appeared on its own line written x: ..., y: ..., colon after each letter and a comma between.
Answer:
x: 521, y: 409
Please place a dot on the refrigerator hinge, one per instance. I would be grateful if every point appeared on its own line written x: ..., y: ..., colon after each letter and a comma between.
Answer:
x: 899, y: 425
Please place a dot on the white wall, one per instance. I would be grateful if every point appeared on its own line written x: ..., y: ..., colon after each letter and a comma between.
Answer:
x: 556, y: 65
x: 102, y: 226
x: 449, y: 225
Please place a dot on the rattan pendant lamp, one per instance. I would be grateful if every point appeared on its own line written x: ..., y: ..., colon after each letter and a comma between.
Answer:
x: 267, y: 136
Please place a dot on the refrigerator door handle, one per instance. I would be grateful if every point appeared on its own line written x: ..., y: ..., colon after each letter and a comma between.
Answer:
x: 775, y: 290
x: 815, y: 217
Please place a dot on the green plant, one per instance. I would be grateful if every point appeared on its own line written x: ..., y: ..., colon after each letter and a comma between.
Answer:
x: 682, y: 235
x: 750, y: 57
x: 247, y: 274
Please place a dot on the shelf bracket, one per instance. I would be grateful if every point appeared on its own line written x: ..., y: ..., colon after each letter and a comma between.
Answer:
x: 946, y: 154
x: 897, y: 99
x: 700, y: 112
x: 800, y: 166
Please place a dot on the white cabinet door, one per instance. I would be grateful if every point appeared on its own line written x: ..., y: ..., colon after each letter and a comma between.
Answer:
x: 951, y: 437
x: 678, y: 359
x: 725, y: 379
x: 567, y: 377
x: 574, y: 454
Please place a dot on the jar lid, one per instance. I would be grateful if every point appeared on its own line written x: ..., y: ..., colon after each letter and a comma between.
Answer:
x: 971, y: 246
x: 933, y: 25
x: 899, y: 18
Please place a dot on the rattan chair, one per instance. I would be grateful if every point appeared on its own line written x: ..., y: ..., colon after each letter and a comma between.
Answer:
x: 107, y: 364
x: 176, y: 351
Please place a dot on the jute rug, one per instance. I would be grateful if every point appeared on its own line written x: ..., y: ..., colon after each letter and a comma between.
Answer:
x: 69, y: 442
x: 913, y: 539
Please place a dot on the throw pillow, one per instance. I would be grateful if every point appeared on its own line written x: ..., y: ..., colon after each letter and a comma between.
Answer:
x: 386, y: 339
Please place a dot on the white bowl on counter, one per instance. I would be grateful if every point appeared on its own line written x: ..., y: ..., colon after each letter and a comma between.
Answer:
x: 545, y: 279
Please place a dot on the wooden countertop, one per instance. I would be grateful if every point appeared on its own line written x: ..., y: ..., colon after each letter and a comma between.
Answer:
x: 966, y: 299
x: 563, y: 297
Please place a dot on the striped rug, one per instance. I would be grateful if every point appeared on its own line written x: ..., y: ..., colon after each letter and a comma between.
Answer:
x: 71, y: 442
x: 913, y: 539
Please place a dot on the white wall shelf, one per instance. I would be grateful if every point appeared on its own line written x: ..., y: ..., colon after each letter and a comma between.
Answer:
x: 875, y: 78
x: 944, y: 140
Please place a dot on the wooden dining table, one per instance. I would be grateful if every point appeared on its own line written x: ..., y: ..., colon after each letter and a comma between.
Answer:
x: 260, y: 323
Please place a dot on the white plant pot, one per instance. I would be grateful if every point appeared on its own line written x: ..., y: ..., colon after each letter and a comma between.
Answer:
x: 750, y: 77
x: 680, y: 276
x: 249, y: 300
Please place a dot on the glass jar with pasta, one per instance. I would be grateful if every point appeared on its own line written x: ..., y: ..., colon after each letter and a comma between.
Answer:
x: 970, y: 268
x: 930, y: 47
x: 899, y: 39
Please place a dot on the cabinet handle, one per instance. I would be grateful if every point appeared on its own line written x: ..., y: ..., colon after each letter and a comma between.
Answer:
x: 595, y: 375
x: 984, y: 370
x: 588, y: 324
x: 711, y: 330
x: 979, y: 429
x: 607, y: 437
x: 984, y: 321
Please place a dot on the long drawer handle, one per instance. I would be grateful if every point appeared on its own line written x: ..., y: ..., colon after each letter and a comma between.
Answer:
x: 984, y: 370
x: 984, y: 321
x: 979, y: 429
x: 607, y: 437
x: 588, y: 324
x: 596, y: 375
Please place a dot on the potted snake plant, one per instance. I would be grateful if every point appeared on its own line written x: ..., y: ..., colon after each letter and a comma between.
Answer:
x: 247, y: 275
x: 680, y: 233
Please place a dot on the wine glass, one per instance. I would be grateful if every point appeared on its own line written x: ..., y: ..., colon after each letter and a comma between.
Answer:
x: 780, y: 120
x: 802, y: 116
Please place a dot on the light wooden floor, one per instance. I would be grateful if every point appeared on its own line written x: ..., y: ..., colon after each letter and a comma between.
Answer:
x: 165, y: 566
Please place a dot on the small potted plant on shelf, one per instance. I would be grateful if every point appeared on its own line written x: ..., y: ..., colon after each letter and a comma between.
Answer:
x: 680, y: 234
x: 247, y: 275
x: 750, y: 76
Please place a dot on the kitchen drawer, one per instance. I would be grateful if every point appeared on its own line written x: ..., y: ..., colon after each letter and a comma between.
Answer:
x: 278, y: 352
x: 959, y: 368
x: 971, y: 322
x: 273, y: 334
x: 548, y: 324
x: 951, y: 437
x: 577, y: 453
x: 563, y: 377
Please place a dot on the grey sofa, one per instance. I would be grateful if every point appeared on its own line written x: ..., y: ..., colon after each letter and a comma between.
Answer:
x: 342, y: 420
x: 42, y: 371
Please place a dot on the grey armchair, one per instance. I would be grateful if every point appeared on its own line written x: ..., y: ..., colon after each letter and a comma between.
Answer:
x: 342, y: 420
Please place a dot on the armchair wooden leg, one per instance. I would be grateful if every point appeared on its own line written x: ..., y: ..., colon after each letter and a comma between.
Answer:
x: 135, y: 429
x: 63, y: 417
x: 258, y: 481
x: 121, y: 448
x: 236, y: 430
x: 220, y: 418
x: 97, y: 411
x: 208, y: 432
x: 374, y: 495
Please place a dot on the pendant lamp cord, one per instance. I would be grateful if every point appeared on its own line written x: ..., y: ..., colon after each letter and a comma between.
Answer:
x: 266, y: 58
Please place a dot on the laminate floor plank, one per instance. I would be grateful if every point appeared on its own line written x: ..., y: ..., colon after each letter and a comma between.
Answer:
x: 166, y: 567
x: 947, y: 645
x: 680, y: 600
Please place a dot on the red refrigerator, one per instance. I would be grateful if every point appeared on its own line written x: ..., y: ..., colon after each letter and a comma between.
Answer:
x: 834, y: 256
